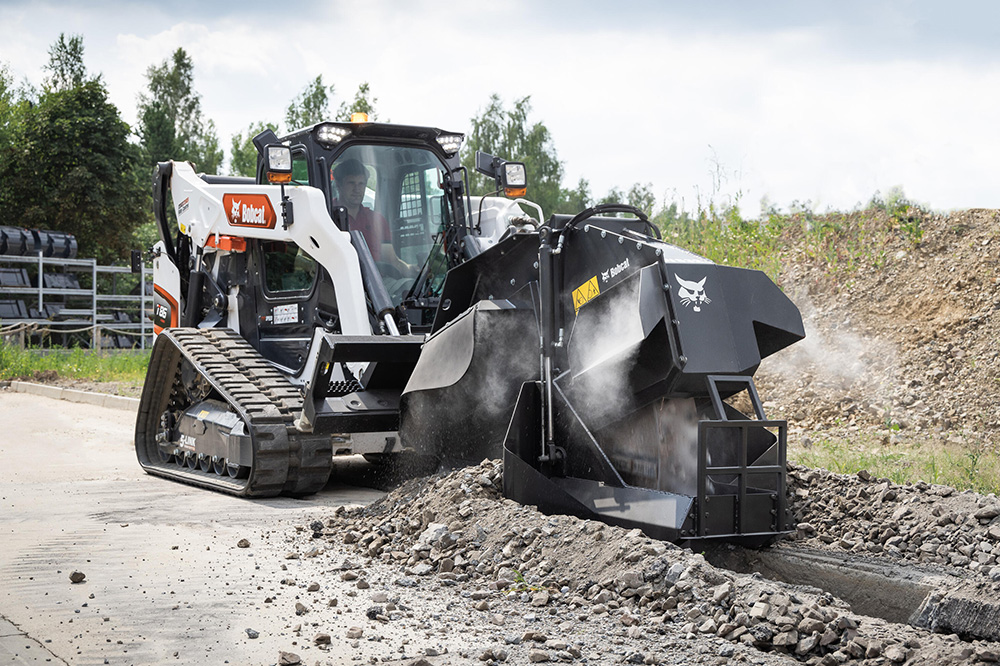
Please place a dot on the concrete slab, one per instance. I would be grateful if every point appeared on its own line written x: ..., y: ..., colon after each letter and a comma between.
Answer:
x: 8, y: 629
x: 20, y: 649
x: 165, y: 579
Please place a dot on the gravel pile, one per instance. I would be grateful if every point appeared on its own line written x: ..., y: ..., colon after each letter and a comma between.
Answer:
x: 490, y: 581
x: 926, y: 523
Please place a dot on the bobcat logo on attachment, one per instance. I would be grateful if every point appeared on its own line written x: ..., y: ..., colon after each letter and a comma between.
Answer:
x: 692, y: 292
x: 250, y: 210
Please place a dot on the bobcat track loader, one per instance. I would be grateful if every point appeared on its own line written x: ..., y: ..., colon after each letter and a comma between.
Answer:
x: 354, y: 298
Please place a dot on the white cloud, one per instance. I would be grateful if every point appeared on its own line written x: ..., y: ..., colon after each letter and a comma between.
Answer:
x: 813, y: 108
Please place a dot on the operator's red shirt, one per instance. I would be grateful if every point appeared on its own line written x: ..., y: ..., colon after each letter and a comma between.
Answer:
x: 374, y: 227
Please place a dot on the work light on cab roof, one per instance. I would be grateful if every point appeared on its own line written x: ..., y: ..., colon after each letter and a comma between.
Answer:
x: 331, y: 134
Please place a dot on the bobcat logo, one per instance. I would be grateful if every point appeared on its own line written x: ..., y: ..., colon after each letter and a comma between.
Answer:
x: 604, y: 276
x: 692, y: 292
x: 234, y: 213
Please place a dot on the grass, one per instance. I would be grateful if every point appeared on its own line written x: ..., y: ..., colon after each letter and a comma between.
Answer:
x: 966, y: 465
x: 841, y: 242
x: 76, y: 363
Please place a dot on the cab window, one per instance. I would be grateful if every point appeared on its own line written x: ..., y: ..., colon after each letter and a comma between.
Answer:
x: 401, y: 208
x: 287, y: 267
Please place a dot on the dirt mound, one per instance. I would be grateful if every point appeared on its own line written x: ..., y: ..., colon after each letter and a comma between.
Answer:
x: 905, y: 338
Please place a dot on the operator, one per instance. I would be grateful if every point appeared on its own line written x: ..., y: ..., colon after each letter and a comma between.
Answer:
x: 351, y: 178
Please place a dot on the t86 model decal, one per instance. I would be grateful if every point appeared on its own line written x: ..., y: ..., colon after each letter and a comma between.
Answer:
x: 249, y: 210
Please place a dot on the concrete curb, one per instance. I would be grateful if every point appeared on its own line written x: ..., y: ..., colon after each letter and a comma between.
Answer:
x: 74, y: 395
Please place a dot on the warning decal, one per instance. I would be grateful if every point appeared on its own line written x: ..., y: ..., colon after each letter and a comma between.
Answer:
x: 585, y: 292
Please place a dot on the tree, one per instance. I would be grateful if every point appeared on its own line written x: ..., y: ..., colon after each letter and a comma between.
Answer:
x: 8, y: 105
x: 170, y: 120
x: 363, y: 103
x: 66, y: 68
x: 69, y: 166
x: 309, y: 107
x: 243, y: 154
x: 578, y: 199
x: 508, y: 134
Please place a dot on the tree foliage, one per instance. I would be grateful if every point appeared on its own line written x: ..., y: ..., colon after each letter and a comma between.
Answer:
x: 242, y: 152
x: 68, y: 166
x: 66, y: 68
x: 170, y: 120
x: 363, y: 103
x: 311, y: 106
x: 507, y: 133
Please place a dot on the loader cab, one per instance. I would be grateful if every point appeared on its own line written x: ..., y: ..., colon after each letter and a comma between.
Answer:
x: 395, y: 196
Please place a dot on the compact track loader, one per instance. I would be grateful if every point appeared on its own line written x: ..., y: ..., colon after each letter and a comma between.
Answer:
x: 354, y: 298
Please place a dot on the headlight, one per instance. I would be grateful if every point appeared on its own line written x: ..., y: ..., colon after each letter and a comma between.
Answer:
x: 450, y: 143
x: 514, y: 175
x: 331, y: 134
x: 278, y: 163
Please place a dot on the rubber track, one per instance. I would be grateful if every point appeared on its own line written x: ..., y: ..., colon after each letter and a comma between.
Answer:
x: 285, y: 461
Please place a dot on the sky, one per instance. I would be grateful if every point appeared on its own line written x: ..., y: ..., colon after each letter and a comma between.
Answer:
x: 794, y: 102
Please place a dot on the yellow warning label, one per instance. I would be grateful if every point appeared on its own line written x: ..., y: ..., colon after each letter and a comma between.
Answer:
x: 202, y: 414
x: 587, y: 291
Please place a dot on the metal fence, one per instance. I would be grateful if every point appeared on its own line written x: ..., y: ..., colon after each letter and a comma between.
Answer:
x: 74, y: 302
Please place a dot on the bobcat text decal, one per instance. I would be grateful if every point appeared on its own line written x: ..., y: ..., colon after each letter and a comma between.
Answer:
x: 692, y: 292
x: 249, y: 210
x: 614, y: 270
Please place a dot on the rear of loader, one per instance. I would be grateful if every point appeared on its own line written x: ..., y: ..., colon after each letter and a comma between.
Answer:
x: 600, y: 364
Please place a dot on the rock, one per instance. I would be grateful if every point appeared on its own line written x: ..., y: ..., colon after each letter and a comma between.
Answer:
x: 432, y: 652
x: 362, y: 584
x: 785, y: 639
x: 497, y: 619
x: 537, y: 656
x: 897, y: 654
x: 252, y: 634
x: 77, y: 577
x: 322, y: 639
x: 242, y: 543
x: 288, y: 659
x: 380, y: 597
x: 988, y: 512
x: 807, y: 644
x: 722, y: 592
x: 355, y: 632
x: 313, y: 587
x: 300, y: 608
x: 422, y: 569
x: 540, y: 599
x: 483, y: 605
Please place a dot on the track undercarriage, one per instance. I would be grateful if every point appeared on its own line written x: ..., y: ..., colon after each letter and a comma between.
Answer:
x: 216, y: 414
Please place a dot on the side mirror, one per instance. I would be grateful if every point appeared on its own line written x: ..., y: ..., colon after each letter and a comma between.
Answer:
x: 511, y: 177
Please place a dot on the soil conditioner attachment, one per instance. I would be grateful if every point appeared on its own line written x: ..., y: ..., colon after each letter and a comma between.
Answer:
x: 354, y: 298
